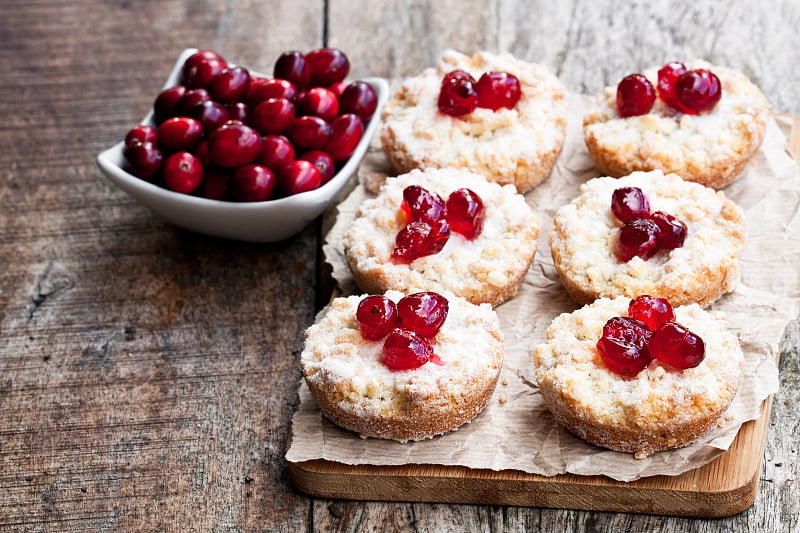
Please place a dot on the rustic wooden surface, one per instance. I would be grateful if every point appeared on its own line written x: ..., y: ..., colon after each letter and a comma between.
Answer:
x: 148, y: 374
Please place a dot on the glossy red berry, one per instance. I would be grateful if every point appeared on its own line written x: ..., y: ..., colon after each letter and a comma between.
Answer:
x: 273, y: 115
x: 210, y: 114
x: 405, y: 350
x: 234, y: 145
x: 276, y: 152
x: 698, y: 90
x: 667, y: 76
x: 419, y: 239
x: 323, y: 161
x: 673, y: 231
x: 190, y: 99
x: 230, y: 85
x: 465, y: 213
x: 201, y: 151
x: 215, y: 183
x: 628, y: 203
x: 338, y: 89
x: 624, y: 346
x: 310, y: 133
x: 239, y: 111
x: 419, y: 204
x: 360, y: 99
x: 183, y: 172
x: 298, y: 176
x: 458, y: 74
x: 651, y: 311
x: 327, y: 66
x: 144, y: 159
x: 376, y: 317
x: 638, y: 237
x: 457, y: 96
x: 179, y: 133
x: 141, y: 134
x: 252, y: 183
x: 320, y: 102
x: 166, y: 102
x: 292, y: 66
x: 676, y: 346
x: 498, y: 89
x: 346, y: 133
x: 423, y: 312
x: 635, y: 96
x: 199, y: 70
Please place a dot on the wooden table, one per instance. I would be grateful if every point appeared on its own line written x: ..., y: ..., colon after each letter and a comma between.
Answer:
x: 148, y: 375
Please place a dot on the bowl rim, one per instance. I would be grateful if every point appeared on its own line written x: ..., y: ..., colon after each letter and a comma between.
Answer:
x: 107, y: 159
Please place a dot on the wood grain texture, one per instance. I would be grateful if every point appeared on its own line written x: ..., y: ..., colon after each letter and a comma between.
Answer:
x: 148, y: 375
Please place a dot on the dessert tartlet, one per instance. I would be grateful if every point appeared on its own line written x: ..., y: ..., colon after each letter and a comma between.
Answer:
x: 516, y: 145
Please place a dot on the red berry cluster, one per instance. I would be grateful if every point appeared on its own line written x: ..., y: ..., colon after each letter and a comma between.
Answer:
x: 461, y: 94
x: 408, y: 327
x: 430, y: 220
x: 687, y: 91
x: 226, y: 134
x: 643, y: 233
x: 649, y: 332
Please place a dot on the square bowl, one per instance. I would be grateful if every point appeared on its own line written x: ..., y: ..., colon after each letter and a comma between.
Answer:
x: 267, y: 221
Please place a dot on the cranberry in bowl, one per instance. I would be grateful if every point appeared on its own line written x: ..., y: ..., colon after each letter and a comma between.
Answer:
x: 217, y: 204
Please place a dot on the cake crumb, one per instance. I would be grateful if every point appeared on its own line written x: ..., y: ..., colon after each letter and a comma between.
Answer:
x: 503, y: 398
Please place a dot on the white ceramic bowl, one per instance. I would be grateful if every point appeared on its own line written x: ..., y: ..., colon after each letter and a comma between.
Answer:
x: 269, y: 221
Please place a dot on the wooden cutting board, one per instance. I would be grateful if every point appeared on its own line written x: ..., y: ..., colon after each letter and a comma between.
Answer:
x: 726, y: 486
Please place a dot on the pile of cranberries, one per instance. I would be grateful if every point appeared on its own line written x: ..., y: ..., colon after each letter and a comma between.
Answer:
x: 430, y: 220
x: 408, y: 327
x: 649, y: 332
x: 227, y: 134
x: 461, y: 94
x: 687, y: 91
x: 643, y: 233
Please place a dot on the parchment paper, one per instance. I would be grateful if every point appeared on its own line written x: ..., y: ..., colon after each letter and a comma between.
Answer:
x: 516, y: 431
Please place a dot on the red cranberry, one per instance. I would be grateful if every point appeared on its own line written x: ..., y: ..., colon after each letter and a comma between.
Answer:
x: 676, y: 346
x: 324, y: 163
x: 673, y: 231
x: 637, y: 237
x: 405, y: 350
x: 238, y: 111
x: 667, y: 76
x: 458, y: 75
x: 298, y: 176
x: 230, y: 85
x: 457, y: 97
x: 423, y: 312
x: 272, y: 88
x: 624, y: 346
x: 190, y: 99
x: 293, y: 66
x: 628, y: 203
x: 465, y: 213
x: 201, y: 151
x: 210, y: 114
x: 179, y: 133
x: 651, y: 311
x: 141, y: 134
x: 252, y: 183
x: 346, y: 133
x: 234, y: 145
x: 310, y: 133
x: 144, y: 159
x: 498, y: 89
x: 327, y: 66
x: 635, y: 96
x: 698, y: 90
x: 166, y: 102
x: 419, y: 239
x: 183, y: 172
x: 199, y: 57
x: 273, y: 115
x: 198, y: 74
x: 419, y: 204
x: 376, y: 316
x: 320, y: 102
x: 276, y: 152
x: 215, y: 183
x: 338, y: 89
x: 360, y: 99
